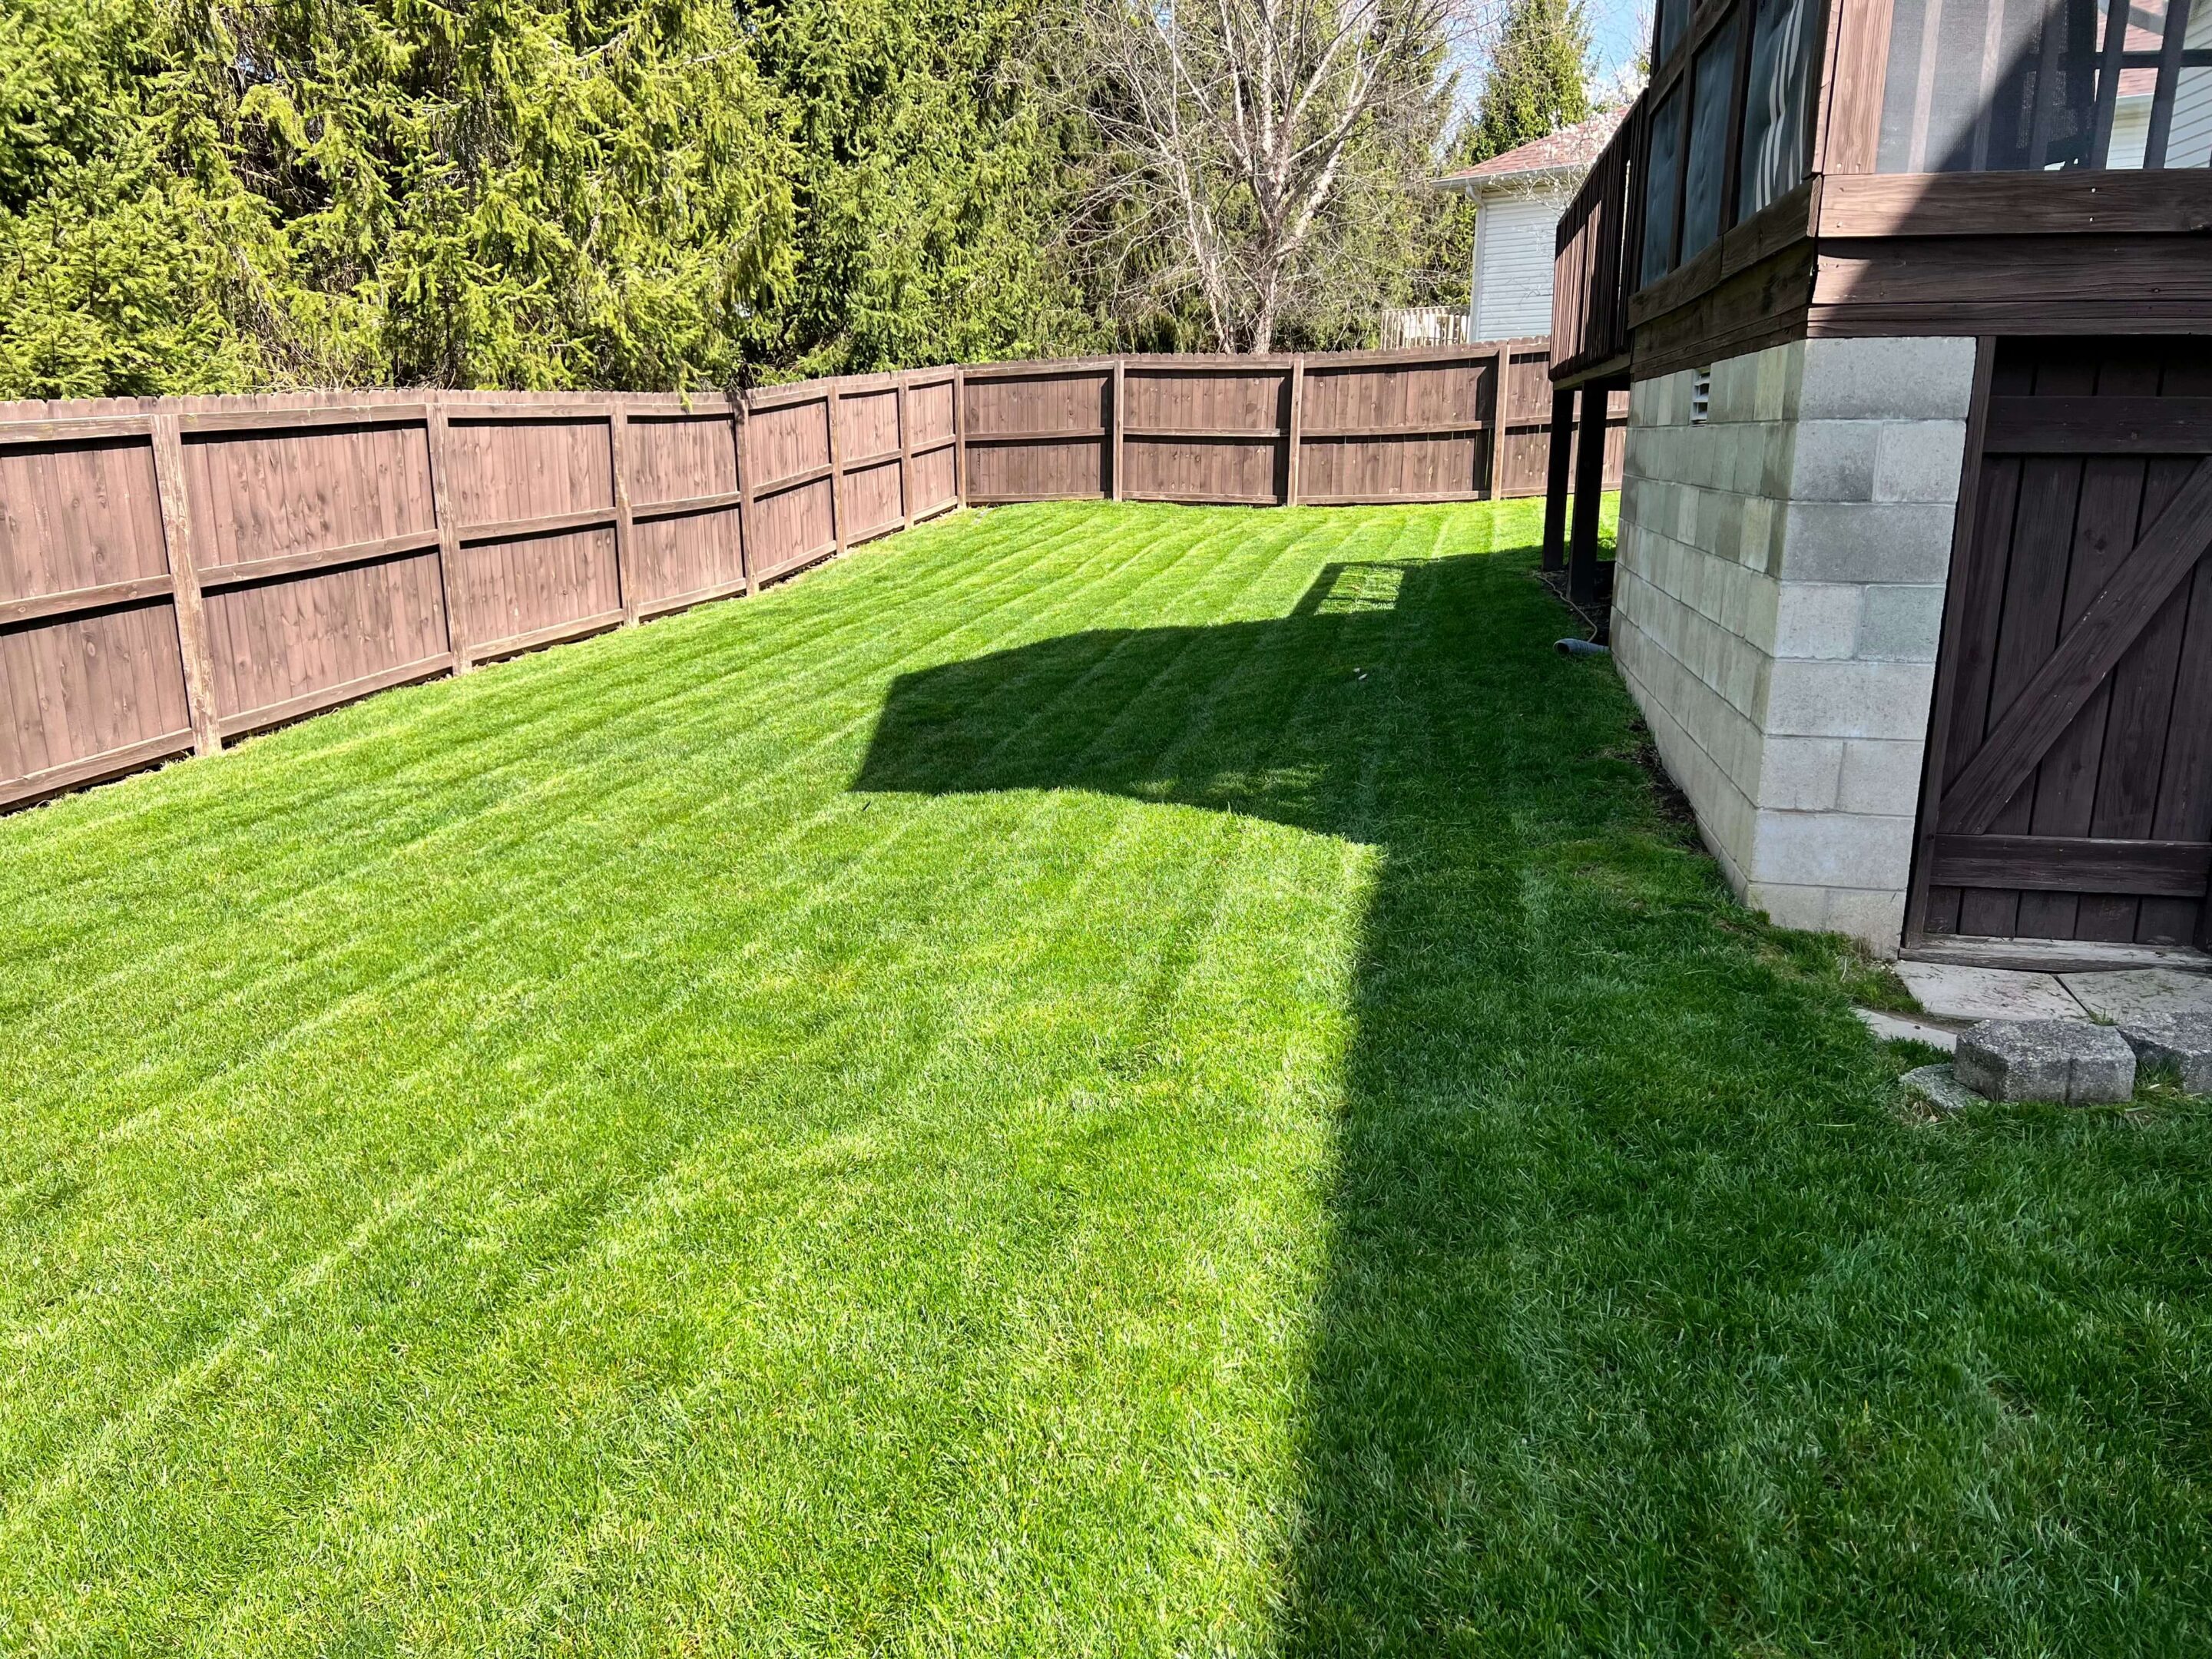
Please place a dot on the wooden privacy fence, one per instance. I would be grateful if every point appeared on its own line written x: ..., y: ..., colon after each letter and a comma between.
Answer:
x: 1457, y: 423
x: 178, y: 572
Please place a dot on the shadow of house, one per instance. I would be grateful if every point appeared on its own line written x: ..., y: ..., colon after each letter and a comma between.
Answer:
x: 1560, y: 1055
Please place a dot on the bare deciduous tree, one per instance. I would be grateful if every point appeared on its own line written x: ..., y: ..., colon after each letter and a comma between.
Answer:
x: 1259, y: 153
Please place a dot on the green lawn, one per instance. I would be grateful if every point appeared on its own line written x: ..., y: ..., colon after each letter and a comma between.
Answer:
x: 1089, y: 1079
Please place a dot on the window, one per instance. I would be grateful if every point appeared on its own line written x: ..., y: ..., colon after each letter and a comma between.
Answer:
x: 1774, y: 132
x: 1701, y: 396
x: 1662, y: 174
x: 1712, y: 79
x: 1674, y: 17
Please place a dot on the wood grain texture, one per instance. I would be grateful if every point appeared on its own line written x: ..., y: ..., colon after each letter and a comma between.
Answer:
x: 194, y: 649
x: 2075, y: 685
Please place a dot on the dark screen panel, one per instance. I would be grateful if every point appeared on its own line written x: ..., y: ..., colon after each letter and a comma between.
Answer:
x: 1661, y: 176
x: 1978, y: 87
x: 1674, y: 17
x: 1712, y: 79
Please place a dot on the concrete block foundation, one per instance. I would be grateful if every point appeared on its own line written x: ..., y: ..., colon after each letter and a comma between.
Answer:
x: 1777, y: 606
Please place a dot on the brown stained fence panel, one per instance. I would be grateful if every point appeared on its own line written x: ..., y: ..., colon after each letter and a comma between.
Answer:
x: 516, y: 594
x: 91, y: 673
x: 89, y: 695
x: 315, y: 543
x: 1397, y: 431
x: 679, y: 457
x: 933, y: 475
x: 680, y: 559
x: 1038, y: 433
x: 873, y: 500
x: 686, y: 538
x: 788, y: 445
x: 75, y: 516
x: 532, y: 495
x: 1525, y: 437
x: 870, y: 452
x: 507, y: 468
x: 276, y: 490
x: 1217, y: 432
x: 294, y: 645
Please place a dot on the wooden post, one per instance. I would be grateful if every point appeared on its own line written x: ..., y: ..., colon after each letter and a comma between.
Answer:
x: 1556, y: 463
x: 906, y: 460
x: 1295, y: 429
x: 1121, y: 406
x: 1589, y: 487
x: 837, y: 471
x: 960, y: 437
x: 193, y: 642
x: 625, y: 547
x: 1499, y: 390
x: 449, y: 537
x: 740, y: 420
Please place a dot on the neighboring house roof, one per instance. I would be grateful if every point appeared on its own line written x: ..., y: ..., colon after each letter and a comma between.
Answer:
x: 1562, y: 156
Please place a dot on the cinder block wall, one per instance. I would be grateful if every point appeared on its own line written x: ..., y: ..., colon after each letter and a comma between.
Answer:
x: 1778, y: 602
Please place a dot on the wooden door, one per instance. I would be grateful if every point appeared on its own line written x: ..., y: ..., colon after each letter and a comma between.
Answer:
x: 2069, y: 773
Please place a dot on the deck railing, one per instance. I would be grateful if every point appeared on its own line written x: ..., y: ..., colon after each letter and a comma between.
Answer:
x: 1596, y: 250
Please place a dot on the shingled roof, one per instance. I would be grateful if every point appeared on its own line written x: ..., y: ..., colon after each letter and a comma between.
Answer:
x: 1568, y: 151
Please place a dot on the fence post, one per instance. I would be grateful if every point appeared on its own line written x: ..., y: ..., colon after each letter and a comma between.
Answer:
x: 837, y: 471
x: 906, y: 459
x: 192, y: 644
x: 741, y: 416
x: 618, y: 454
x: 960, y: 437
x: 1121, y: 419
x: 1295, y: 431
x: 449, y: 538
x: 1557, y: 459
x: 1500, y: 392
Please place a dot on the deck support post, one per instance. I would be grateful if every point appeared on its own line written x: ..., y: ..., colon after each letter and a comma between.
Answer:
x: 1590, y: 487
x: 1556, y: 478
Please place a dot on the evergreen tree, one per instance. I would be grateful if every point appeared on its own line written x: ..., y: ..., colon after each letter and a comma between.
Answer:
x: 227, y: 195
x: 1538, y: 80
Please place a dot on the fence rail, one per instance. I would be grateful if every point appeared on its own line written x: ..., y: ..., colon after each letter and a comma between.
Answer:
x: 178, y: 573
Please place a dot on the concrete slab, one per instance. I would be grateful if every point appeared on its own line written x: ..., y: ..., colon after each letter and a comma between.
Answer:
x: 2058, y: 1060
x: 2141, y: 993
x: 1940, y: 1088
x: 1950, y: 992
x: 1903, y: 1028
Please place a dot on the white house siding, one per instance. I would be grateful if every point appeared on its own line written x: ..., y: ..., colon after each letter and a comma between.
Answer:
x: 1777, y: 604
x: 1513, y: 240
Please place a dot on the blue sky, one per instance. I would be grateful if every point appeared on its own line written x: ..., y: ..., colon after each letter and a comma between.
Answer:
x: 1617, y: 30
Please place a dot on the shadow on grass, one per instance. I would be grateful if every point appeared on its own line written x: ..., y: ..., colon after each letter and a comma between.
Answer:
x: 1646, y: 1326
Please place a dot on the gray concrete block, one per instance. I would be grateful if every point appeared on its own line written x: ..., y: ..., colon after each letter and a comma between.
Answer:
x: 1887, y: 379
x: 1920, y: 461
x: 1834, y: 461
x: 2060, y: 1060
x: 2180, y: 1043
x: 1868, y: 542
x: 1901, y: 623
x: 1940, y: 1087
